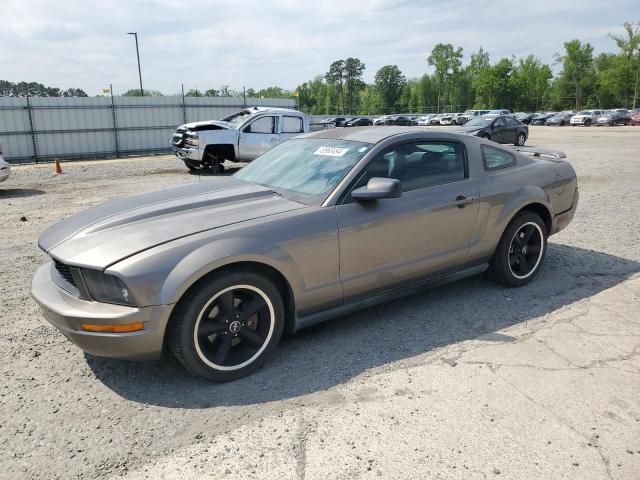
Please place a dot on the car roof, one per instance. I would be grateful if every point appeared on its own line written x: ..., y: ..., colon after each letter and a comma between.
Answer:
x: 370, y: 135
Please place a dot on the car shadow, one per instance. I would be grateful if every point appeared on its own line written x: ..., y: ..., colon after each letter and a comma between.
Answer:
x: 325, y: 355
x: 19, y: 192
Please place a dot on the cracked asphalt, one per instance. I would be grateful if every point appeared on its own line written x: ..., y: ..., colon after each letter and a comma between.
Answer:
x: 470, y: 380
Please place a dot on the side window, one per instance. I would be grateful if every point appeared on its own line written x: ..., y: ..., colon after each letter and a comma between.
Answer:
x: 500, y: 122
x: 291, y: 125
x: 419, y: 165
x: 512, y: 121
x: 262, y: 125
x: 495, y: 159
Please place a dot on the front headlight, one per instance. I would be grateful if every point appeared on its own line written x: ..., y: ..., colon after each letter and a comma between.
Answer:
x: 106, y: 288
x: 191, y: 140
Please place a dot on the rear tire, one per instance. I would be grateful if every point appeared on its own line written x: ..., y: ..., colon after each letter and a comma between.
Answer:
x: 520, y: 252
x: 227, y: 326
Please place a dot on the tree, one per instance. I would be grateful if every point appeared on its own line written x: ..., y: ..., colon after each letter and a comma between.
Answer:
x: 335, y: 76
x: 530, y: 82
x: 274, y: 92
x: 577, y: 63
x: 494, y: 88
x: 74, y: 92
x: 353, y: 70
x: 447, y: 62
x: 135, y: 92
x: 630, y: 47
x: 389, y: 82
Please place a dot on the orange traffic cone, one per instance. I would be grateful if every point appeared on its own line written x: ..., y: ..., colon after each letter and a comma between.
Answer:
x: 58, y: 169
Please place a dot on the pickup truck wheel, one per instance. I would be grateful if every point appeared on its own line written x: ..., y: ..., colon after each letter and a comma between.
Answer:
x: 520, y: 252
x: 228, y: 326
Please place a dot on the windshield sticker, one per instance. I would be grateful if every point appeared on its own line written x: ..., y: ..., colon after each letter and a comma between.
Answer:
x: 331, y: 151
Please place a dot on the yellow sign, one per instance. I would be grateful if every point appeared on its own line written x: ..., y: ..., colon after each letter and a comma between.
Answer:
x: 295, y: 94
x: 106, y: 90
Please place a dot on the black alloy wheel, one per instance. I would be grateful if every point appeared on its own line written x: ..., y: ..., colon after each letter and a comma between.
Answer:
x: 227, y: 327
x: 525, y: 250
x: 520, y: 251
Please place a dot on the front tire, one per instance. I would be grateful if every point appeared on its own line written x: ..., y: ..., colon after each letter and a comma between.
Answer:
x: 520, y: 252
x: 520, y: 140
x: 228, y: 326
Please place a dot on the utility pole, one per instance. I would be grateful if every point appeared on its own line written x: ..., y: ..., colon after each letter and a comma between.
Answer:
x: 135, y: 34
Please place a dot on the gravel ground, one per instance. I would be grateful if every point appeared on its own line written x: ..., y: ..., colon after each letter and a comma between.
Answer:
x: 469, y: 380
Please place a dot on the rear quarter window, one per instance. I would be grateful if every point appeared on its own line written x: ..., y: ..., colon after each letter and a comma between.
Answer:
x: 496, y: 159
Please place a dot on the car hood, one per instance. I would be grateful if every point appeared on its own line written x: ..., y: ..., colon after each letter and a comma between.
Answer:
x: 207, y: 125
x: 103, y: 235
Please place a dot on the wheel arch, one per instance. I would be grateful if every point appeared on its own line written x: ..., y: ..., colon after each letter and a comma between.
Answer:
x: 225, y: 149
x: 542, y: 211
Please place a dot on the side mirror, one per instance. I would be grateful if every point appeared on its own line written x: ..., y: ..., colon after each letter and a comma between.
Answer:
x: 378, y: 188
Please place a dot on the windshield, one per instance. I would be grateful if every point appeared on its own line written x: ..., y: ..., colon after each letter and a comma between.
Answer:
x: 479, y: 122
x: 305, y: 169
x: 584, y: 112
x: 239, y: 117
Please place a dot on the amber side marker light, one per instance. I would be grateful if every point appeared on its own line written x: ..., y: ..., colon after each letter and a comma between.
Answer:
x: 121, y: 328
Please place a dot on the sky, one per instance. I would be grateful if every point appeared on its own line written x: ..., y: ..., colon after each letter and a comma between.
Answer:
x: 259, y: 43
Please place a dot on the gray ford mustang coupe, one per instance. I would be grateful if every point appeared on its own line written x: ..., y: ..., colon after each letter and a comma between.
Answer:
x: 318, y: 226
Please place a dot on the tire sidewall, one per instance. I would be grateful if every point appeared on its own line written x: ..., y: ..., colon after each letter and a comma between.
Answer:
x: 189, y: 315
x: 501, y: 256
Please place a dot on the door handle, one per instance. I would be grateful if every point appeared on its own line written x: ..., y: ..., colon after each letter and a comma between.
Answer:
x: 461, y: 201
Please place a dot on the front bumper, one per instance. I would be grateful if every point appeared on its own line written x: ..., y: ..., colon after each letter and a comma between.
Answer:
x: 581, y: 121
x: 67, y: 313
x: 188, y: 154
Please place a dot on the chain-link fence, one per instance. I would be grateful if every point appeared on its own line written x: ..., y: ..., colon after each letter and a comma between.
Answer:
x: 34, y: 129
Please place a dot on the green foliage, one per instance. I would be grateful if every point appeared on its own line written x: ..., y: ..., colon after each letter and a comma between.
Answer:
x: 389, y: 85
x: 135, y: 92
x: 577, y: 67
x: 35, y: 89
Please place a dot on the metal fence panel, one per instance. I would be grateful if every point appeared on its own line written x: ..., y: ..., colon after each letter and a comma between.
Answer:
x: 40, y: 129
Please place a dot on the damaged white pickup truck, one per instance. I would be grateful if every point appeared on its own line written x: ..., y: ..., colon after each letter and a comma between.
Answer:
x: 240, y: 137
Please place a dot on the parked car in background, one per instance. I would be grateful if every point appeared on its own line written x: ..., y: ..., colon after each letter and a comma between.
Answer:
x: 217, y: 271
x: 524, y: 117
x: 541, y: 118
x: 337, y: 121
x: 400, y: 120
x: 447, y: 119
x: 467, y: 115
x: 240, y: 137
x: 634, y: 117
x: 614, y: 117
x: 359, y: 122
x: 5, y: 168
x: 585, y: 117
x: 435, y: 120
x: 498, y: 128
x: 560, y: 119
x: 499, y: 111
x: 425, y: 120
x: 381, y: 120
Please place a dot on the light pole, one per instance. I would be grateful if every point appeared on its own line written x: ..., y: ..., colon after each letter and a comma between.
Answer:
x: 135, y: 34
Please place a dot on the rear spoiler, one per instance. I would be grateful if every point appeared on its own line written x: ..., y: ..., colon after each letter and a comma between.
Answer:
x: 541, y: 152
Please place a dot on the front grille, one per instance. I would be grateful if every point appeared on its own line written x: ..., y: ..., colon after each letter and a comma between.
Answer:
x: 65, y: 272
